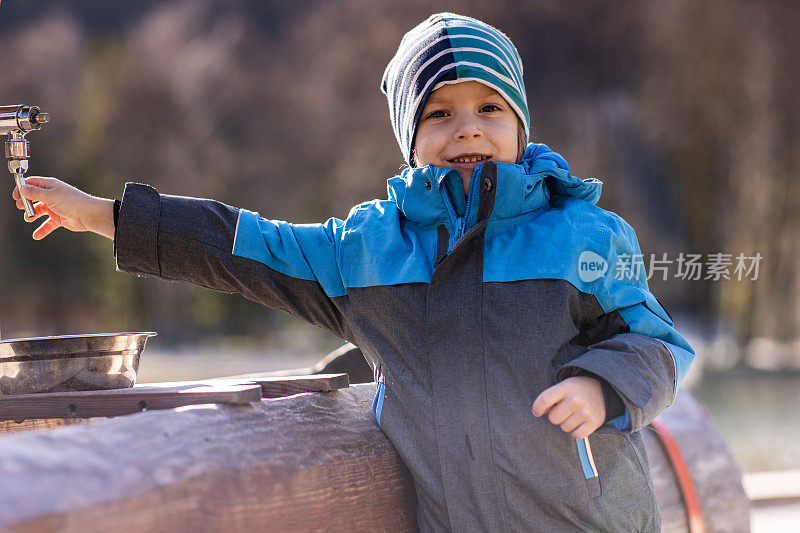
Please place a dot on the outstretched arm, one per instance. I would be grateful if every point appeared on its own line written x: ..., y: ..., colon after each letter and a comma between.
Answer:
x: 287, y: 266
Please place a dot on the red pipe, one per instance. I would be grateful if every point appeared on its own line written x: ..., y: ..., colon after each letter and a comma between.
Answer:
x: 685, y: 483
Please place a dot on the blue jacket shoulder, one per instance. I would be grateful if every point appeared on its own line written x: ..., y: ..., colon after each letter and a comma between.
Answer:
x: 378, y: 246
x: 592, y: 226
x: 365, y: 214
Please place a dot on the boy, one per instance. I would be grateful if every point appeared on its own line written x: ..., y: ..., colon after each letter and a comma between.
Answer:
x: 464, y: 290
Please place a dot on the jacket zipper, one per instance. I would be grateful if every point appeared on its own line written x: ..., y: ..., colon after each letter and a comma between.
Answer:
x: 472, y: 193
x: 460, y: 222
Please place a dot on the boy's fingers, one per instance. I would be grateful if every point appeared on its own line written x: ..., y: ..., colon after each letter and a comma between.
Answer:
x: 45, y: 229
x: 541, y: 405
x: 547, y: 399
x: 560, y: 413
x: 583, y: 431
x: 572, y: 423
x: 39, y: 210
x: 35, y: 193
x: 41, y: 182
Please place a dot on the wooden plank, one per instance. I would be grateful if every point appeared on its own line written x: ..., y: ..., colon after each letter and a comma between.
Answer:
x: 275, y: 387
x: 311, y: 462
x: 97, y: 403
x: 54, y: 414
x: 272, y: 386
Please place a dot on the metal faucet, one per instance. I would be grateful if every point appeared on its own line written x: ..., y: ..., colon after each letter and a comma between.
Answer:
x: 16, y: 121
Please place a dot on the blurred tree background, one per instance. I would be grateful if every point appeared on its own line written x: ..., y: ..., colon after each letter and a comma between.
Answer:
x: 688, y: 112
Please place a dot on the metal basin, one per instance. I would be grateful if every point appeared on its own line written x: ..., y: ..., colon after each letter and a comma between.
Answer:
x: 70, y: 362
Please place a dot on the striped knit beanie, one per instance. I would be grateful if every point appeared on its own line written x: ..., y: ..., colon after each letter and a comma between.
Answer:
x: 449, y: 48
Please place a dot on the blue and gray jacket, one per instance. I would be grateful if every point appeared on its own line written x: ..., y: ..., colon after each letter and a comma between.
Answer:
x: 467, y: 310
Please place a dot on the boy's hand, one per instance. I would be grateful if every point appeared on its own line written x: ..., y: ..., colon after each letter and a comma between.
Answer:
x: 66, y: 207
x: 576, y: 404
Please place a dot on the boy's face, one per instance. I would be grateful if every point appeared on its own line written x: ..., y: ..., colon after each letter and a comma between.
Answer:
x: 464, y: 124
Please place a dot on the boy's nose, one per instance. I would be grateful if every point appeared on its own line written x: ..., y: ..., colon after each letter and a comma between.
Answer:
x: 468, y: 128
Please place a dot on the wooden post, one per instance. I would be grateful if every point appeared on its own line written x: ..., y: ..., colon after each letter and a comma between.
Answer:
x: 310, y: 462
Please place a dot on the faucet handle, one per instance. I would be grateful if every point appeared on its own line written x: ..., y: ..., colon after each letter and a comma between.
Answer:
x: 41, y: 118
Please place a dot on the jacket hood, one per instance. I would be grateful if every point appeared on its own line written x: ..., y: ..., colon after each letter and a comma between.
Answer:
x: 540, y: 179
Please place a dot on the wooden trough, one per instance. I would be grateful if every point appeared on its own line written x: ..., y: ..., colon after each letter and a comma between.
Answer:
x: 307, y: 462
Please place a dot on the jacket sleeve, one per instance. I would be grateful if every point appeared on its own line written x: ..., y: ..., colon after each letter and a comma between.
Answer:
x: 287, y: 266
x: 640, y: 355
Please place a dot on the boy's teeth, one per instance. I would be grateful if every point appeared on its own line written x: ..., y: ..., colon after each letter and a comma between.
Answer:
x: 469, y: 159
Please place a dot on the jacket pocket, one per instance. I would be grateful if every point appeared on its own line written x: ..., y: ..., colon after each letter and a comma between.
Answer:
x: 588, y: 467
x: 377, y: 403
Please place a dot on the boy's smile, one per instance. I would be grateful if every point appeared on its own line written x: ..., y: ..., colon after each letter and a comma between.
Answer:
x: 463, y: 125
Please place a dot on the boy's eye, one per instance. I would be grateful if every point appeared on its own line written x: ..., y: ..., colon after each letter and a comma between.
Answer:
x: 439, y: 113
x: 488, y: 108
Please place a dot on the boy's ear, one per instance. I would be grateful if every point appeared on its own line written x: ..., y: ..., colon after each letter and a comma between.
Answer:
x: 523, y: 141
